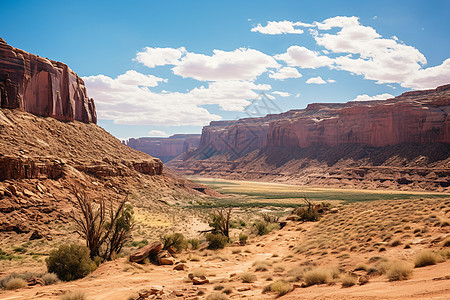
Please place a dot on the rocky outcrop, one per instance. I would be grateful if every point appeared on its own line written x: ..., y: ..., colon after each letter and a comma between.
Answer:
x: 165, y: 148
x: 42, y: 87
x: 403, y: 141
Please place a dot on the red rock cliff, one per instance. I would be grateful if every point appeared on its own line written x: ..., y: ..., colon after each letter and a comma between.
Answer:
x: 414, y: 117
x: 42, y: 87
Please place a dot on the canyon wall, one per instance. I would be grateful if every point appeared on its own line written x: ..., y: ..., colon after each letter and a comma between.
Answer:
x: 165, y: 148
x: 42, y: 87
x: 409, y: 134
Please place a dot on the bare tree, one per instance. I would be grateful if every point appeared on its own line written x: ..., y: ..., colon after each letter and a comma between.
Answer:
x: 220, y: 221
x: 105, y: 230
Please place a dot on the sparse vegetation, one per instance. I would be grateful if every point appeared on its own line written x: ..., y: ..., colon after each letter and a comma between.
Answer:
x: 348, y: 280
x: 105, y: 228
x: 15, y: 283
x: 317, y: 276
x: 248, y: 277
x: 217, y: 296
x: 280, y: 287
x: 243, y: 238
x: 175, y: 240
x: 425, y: 258
x: 50, y: 278
x: 400, y: 270
x: 216, y: 241
x: 70, y: 262
x: 307, y: 213
x: 73, y: 296
x: 194, y: 243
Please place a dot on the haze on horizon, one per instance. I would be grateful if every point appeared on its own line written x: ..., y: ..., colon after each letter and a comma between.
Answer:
x: 160, y: 68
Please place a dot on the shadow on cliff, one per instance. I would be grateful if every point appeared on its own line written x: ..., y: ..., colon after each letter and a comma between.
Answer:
x: 408, y: 154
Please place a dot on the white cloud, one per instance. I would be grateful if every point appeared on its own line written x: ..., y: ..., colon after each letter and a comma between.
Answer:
x: 157, y: 133
x: 366, y: 97
x: 128, y: 102
x: 240, y: 64
x: 152, y: 57
x: 297, y: 95
x: 361, y: 50
x: 331, y: 80
x: 316, y: 80
x: 132, y: 77
x: 285, y: 73
x: 304, y: 58
x: 278, y: 27
x: 281, y: 94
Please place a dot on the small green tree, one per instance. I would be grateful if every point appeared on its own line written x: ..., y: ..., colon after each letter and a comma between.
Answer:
x: 219, y: 220
x: 176, y: 240
x: 70, y: 262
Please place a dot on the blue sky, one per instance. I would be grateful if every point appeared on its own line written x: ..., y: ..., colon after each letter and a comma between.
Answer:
x: 165, y: 67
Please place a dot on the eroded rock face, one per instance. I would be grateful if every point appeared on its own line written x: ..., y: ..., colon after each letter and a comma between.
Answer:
x: 402, y: 143
x: 414, y: 117
x: 165, y: 148
x: 42, y: 87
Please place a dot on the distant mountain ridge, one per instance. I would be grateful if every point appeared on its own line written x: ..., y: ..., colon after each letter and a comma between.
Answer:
x: 165, y: 148
x: 387, y: 136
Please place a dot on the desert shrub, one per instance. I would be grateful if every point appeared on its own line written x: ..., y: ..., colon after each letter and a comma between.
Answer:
x: 446, y: 243
x: 15, y: 283
x: 260, y: 265
x: 348, y: 280
x: 175, y: 240
x: 247, y: 277
x: 104, y: 227
x: 396, y: 243
x: 194, y: 243
x: 73, y: 296
x: 227, y: 290
x: 217, y: 296
x: 400, y: 270
x: 307, y: 213
x: 280, y: 287
x: 70, y: 262
x: 317, y: 276
x: 425, y: 258
x: 243, y: 238
x: 50, y: 278
x: 262, y: 227
x: 218, y: 287
x: 219, y: 221
x: 216, y: 241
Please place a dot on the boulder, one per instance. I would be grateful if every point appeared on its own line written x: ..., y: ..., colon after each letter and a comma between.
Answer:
x: 164, y: 258
x: 180, y: 267
x: 35, y: 281
x: 145, y: 251
x: 198, y: 280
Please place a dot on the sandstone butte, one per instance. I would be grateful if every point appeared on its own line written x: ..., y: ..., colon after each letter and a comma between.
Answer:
x: 352, y: 135
x: 42, y: 87
x: 165, y: 148
x: 50, y: 142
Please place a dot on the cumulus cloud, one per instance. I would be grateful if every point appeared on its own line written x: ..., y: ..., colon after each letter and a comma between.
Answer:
x: 304, y: 58
x: 366, y: 97
x: 132, y: 77
x: 279, y: 27
x: 361, y: 50
x: 152, y: 57
x: 285, y: 73
x: 281, y: 94
x: 316, y: 80
x: 129, y: 102
x: 240, y: 64
x: 157, y: 133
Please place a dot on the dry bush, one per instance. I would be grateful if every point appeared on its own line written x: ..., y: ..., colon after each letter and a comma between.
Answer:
x: 248, y: 277
x: 50, y: 278
x: 280, y: 287
x: 73, y: 296
x: 317, y: 276
x: 348, y: 280
x: 105, y: 228
x: 400, y: 270
x: 175, y: 240
x: 261, y: 265
x: 425, y: 258
x: 15, y: 283
x: 199, y: 272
